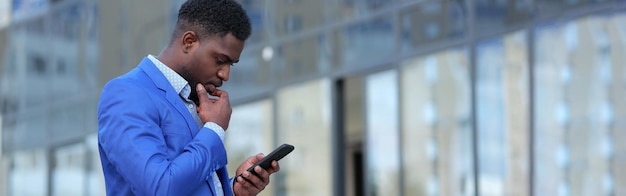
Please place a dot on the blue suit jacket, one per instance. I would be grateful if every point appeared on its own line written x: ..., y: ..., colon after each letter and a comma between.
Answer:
x: 150, y: 144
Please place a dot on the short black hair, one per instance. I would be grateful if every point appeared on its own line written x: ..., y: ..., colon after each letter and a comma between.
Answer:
x: 213, y: 17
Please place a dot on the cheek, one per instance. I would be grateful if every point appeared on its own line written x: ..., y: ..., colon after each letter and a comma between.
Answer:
x: 204, y: 67
x: 194, y: 71
x: 203, y: 73
x: 208, y: 69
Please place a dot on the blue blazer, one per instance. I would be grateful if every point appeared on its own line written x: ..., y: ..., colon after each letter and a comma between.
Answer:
x: 150, y: 144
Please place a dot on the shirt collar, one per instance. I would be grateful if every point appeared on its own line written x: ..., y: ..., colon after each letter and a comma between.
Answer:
x: 177, y: 81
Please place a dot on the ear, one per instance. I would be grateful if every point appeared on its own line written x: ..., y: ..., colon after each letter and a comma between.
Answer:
x: 189, y: 40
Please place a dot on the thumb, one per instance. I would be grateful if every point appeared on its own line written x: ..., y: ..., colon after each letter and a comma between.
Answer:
x: 203, y: 98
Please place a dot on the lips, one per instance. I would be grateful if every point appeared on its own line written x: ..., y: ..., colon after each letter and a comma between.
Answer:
x: 214, y: 83
x: 212, y: 87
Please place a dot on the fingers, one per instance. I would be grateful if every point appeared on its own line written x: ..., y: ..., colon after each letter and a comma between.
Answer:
x: 213, y: 110
x: 256, y: 181
x: 246, y: 185
x: 275, y: 167
x: 259, y: 157
x: 253, y: 182
x: 221, y: 94
x: 262, y: 175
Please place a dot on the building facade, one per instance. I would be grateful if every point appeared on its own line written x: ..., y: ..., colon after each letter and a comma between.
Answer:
x: 395, y: 97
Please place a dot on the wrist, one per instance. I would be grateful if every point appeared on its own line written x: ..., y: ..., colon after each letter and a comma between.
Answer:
x: 216, y: 128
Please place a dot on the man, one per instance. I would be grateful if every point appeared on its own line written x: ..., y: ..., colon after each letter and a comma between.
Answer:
x: 159, y: 132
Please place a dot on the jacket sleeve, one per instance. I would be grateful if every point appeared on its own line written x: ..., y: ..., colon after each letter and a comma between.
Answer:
x: 130, y: 135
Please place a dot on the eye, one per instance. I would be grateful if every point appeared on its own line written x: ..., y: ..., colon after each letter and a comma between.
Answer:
x: 221, y: 62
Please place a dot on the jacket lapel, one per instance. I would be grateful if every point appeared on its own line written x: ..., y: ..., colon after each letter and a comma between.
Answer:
x: 222, y: 174
x: 170, y: 94
x: 227, y: 186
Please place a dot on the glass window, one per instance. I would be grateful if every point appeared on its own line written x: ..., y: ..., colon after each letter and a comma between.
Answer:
x: 64, y: 50
x: 502, y: 115
x: 432, y: 21
x: 29, y: 130
x: 87, y: 68
x: 579, y: 68
x: 257, y: 11
x: 297, y: 16
x: 29, y: 173
x: 382, y: 134
x: 251, y: 131
x: 302, y: 57
x: 35, y: 51
x: 496, y: 16
x: 364, y: 44
x: 49, y: 51
x: 95, y: 176
x: 293, y: 24
x: 348, y: 9
x: 5, y: 162
x: 555, y: 8
x: 68, y: 173
x: 2, y: 148
x: 436, y: 124
x: 252, y: 74
x: 5, y: 17
x: 304, y: 120
x: 616, y: 35
x: 68, y: 119
x: 66, y: 22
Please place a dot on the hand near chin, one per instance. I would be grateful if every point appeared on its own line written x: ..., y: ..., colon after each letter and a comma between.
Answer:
x: 214, y: 110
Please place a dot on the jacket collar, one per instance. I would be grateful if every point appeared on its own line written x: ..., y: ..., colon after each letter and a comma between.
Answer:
x: 171, y: 95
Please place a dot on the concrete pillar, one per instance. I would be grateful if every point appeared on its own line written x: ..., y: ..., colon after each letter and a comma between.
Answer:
x: 417, y: 126
x: 617, y: 88
x: 550, y: 75
x: 516, y: 103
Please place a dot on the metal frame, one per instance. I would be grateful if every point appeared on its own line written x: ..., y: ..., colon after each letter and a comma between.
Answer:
x: 530, y: 37
x: 338, y: 136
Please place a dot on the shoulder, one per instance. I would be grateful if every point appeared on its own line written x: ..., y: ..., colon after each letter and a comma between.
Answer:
x: 135, y: 82
x: 133, y: 87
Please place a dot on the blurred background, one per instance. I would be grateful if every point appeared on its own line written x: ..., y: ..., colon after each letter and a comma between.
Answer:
x: 380, y: 97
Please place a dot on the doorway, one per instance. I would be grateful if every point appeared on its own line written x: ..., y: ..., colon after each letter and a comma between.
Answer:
x: 350, y: 93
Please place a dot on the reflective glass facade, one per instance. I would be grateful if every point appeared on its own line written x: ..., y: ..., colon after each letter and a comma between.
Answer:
x: 502, y: 99
x: 396, y: 97
x: 436, y: 120
x: 580, y: 104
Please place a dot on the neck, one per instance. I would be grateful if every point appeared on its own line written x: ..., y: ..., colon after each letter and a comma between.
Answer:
x: 169, y: 59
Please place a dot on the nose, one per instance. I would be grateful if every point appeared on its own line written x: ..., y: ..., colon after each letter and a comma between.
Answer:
x: 224, y: 73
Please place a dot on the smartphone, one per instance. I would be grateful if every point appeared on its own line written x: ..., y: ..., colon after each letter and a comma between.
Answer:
x: 275, y: 155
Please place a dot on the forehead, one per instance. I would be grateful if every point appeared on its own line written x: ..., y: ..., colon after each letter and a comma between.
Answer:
x: 227, y: 45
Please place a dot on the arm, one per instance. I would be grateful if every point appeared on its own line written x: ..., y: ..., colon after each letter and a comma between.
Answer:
x: 244, y: 183
x: 130, y: 136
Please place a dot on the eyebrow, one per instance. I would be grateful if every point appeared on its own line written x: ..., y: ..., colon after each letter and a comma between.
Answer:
x: 228, y: 59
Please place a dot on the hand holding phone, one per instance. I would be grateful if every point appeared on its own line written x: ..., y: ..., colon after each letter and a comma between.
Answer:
x: 275, y: 155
